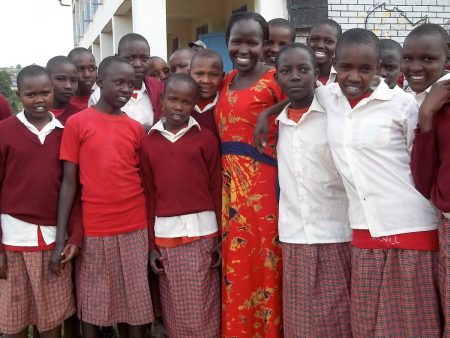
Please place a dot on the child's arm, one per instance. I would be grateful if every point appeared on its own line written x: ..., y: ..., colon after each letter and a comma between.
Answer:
x: 424, y: 156
x: 155, y: 258
x: 63, y: 253
x: 262, y: 125
x: 213, y: 163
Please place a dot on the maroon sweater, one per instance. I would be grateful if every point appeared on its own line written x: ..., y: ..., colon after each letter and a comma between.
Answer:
x: 180, y: 178
x: 30, y: 175
x: 68, y: 112
x: 5, y: 109
x: 206, y: 119
x: 430, y: 162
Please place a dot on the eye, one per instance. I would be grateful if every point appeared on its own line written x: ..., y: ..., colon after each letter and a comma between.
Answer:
x: 144, y: 58
x: 92, y: 69
x: 283, y: 71
x: 305, y: 70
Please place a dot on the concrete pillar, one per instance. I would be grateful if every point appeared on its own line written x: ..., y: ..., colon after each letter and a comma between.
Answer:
x: 95, y: 49
x: 271, y: 9
x: 106, y: 45
x: 149, y: 20
x: 121, y: 25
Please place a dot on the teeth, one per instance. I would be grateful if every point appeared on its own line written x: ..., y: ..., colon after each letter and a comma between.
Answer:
x: 242, y: 60
x: 352, y: 89
x: 39, y: 109
x: 417, y: 77
x: 320, y: 54
x: 123, y: 98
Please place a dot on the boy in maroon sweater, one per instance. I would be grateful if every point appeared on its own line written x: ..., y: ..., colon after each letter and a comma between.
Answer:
x: 207, y: 71
x: 64, y: 77
x: 180, y: 166
x: 427, y: 47
x: 30, y: 176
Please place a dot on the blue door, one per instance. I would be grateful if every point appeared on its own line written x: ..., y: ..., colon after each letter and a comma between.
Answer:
x: 216, y: 41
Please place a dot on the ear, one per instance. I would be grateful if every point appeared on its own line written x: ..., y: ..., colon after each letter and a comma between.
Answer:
x: 99, y: 81
x: 447, y: 59
x: 17, y: 93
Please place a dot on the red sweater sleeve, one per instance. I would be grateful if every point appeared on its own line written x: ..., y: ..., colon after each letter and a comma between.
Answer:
x: 5, y: 109
x: 149, y: 190
x: 213, y: 162
x: 75, y: 226
x: 424, y: 161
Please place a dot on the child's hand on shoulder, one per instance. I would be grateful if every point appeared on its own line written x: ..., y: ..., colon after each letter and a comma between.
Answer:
x: 438, y: 96
x: 261, y: 131
x: 3, y: 264
x: 216, y: 253
x: 156, y: 262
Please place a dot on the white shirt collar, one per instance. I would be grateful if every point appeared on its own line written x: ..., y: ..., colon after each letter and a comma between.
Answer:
x: 283, y: 116
x: 446, y: 76
x: 208, y: 106
x: 54, y: 122
x: 381, y: 90
x: 159, y: 126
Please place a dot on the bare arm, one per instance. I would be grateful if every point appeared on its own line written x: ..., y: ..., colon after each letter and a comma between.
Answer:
x: 262, y: 125
x: 65, y: 202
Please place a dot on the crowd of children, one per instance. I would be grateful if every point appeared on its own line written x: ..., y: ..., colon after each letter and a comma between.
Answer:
x: 303, y: 194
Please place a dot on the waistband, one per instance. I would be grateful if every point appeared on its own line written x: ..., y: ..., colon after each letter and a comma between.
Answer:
x: 245, y: 149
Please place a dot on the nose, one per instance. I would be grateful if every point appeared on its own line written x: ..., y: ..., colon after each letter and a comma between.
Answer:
x: 382, y: 72
x: 353, y: 76
x: 68, y: 84
x: 415, y: 66
x: 85, y: 73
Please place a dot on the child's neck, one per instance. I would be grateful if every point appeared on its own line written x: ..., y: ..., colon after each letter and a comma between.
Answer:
x: 39, y: 123
x: 324, y: 70
x: 59, y: 105
x: 107, y: 108
x: 175, y: 129
x: 83, y: 92
x: 302, y: 103
x: 138, y: 85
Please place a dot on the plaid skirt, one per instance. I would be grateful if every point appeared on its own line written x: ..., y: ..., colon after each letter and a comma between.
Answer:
x: 112, y: 282
x: 316, y: 290
x: 444, y: 271
x: 190, y: 290
x: 32, y: 294
x: 394, y: 293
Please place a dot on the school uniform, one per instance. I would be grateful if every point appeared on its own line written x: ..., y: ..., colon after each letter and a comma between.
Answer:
x: 203, y: 113
x: 394, y: 255
x: 430, y: 165
x: 182, y: 180
x: 30, y: 176
x: 326, y: 80
x: 112, y: 283
x: 64, y: 113
x: 81, y: 102
x: 5, y: 109
x: 314, y: 229
x: 145, y: 105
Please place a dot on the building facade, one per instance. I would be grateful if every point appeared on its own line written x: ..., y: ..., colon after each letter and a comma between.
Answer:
x: 171, y: 24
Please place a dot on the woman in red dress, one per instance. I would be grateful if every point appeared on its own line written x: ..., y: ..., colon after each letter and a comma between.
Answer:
x: 251, y: 289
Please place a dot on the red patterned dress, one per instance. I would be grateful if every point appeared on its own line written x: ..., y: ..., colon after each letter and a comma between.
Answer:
x: 251, y: 288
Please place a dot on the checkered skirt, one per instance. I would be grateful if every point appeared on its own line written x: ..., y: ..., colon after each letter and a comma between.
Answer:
x: 444, y: 271
x: 316, y: 290
x: 112, y: 282
x: 190, y: 290
x: 32, y: 294
x: 394, y: 293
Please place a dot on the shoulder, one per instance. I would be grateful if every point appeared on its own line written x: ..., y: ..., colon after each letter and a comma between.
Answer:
x: 207, y: 137
x: 153, y: 85
x: 79, y: 117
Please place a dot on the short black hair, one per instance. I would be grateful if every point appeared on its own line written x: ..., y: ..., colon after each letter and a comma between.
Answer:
x: 358, y: 36
x: 56, y: 61
x: 329, y: 22
x: 389, y: 44
x: 30, y: 71
x: 129, y: 38
x: 294, y: 46
x: 432, y: 29
x: 240, y: 16
x: 181, y: 77
x: 108, y: 61
x: 283, y: 23
x: 208, y: 53
x: 79, y: 50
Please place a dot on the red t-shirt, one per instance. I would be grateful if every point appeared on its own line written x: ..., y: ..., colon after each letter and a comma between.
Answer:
x: 106, y: 149
x: 295, y: 114
x: 354, y: 102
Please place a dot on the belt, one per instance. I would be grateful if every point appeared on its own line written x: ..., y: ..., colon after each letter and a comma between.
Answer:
x: 244, y: 149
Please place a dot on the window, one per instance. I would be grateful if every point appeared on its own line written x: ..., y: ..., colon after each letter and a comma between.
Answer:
x: 306, y: 13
